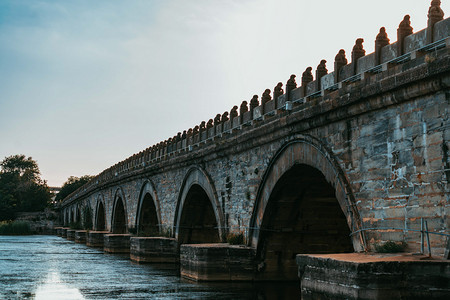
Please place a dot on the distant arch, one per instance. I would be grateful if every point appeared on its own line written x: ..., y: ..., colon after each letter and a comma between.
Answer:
x: 205, y: 213
x: 148, y: 218
x: 119, y: 213
x: 100, y: 215
x: 78, y: 215
x: 87, y: 216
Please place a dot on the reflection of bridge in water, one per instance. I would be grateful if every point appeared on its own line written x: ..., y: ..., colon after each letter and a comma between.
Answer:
x: 351, y: 159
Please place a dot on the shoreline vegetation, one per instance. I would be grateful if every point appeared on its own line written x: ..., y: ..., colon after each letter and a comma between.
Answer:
x: 15, y: 228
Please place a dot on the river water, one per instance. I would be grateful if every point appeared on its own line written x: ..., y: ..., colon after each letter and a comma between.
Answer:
x: 50, y: 267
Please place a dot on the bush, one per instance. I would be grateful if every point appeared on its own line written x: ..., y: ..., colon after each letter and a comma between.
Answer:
x: 234, y: 238
x: 14, y: 228
x: 390, y: 247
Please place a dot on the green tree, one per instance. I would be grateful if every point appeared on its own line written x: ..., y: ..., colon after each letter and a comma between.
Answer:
x: 71, y: 185
x: 21, y: 187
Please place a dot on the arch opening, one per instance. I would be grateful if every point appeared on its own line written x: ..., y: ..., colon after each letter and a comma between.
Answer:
x: 302, y: 215
x: 78, y: 217
x: 87, y: 217
x: 148, y: 219
x: 100, y: 218
x: 119, y: 224
x: 198, y: 222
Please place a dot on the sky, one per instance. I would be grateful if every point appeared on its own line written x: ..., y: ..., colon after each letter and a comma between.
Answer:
x: 86, y: 84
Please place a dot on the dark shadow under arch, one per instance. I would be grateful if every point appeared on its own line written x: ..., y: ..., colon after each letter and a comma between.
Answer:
x: 100, y: 219
x: 78, y: 215
x: 206, y: 210
x: 87, y: 217
x: 302, y: 216
x: 198, y: 222
x: 119, y: 224
x: 307, y: 150
x: 147, y: 220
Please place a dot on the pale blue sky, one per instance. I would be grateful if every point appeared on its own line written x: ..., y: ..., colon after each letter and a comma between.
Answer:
x: 85, y: 84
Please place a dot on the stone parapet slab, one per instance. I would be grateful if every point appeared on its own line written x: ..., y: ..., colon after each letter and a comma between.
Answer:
x: 373, y: 276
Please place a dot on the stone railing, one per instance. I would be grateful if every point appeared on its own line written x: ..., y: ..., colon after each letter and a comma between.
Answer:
x: 409, y: 46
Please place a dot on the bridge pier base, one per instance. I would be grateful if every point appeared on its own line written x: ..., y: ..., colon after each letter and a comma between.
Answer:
x: 154, y: 250
x: 116, y: 243
x: 80, y: 236
x: 70, y: 234
x: 374, y: 276
x: 58, y: 231
x: 64, y: 232
x: 96, y: 238
x: 217, y: 262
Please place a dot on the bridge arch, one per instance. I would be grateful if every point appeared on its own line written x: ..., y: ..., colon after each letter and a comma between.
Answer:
x: 100, y: 214
x: 87, y: 215
x: 78, y: 215
x: 148, y: 217
x: 303, y: 186
x: 119, y: 213
x: 198, y: 216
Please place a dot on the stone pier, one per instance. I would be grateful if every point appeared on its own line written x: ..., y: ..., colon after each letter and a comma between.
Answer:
x: 154, y: 250
x: 373, y: 276
x: 64, y: 232
x: 217, y: 262
x: 95, y: 238
x: 117, y: 243
x: 58, y: 231
x: 70, y: 234
x: 80, y: 236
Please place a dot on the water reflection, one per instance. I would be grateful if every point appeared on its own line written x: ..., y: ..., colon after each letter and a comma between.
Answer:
x: 49, y: 267
x: 54, y: 288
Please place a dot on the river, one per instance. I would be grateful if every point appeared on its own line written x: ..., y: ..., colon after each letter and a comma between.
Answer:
x: 51, y: 267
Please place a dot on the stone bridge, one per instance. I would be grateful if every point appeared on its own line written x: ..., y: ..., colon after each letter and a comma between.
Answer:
x: 345, y: 161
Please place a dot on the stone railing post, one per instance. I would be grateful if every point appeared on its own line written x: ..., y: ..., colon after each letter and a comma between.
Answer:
x: 320, y: 72
x: 242, y: 110
x: 264, y: 99
x: 290, y: 85
x: 307, y: 77
x: 435, y: 14
x: 339, y: 61
x: 404, y: 29
x: 380, y: 41
x: 254, y: 102
x: 357, y: 52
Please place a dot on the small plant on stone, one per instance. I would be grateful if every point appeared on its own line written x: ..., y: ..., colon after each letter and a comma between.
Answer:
x: 235, y: 238
x: 390, y: 247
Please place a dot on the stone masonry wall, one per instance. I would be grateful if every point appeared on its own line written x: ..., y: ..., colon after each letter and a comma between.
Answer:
x: 388, y: 130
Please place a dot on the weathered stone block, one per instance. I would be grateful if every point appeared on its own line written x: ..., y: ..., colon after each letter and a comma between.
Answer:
x: 80, y: 236
x: 154, y: 250
x: 96, y: 238
x: 64, y: 232
x: 70, y: 234
x: 217, y: 262
x: 58, y: 231
x: 361, y: 276
x: 116, y: 243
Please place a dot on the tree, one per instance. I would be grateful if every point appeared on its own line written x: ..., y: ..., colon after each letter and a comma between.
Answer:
x: 71, y: 185
x: 21, y: 187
